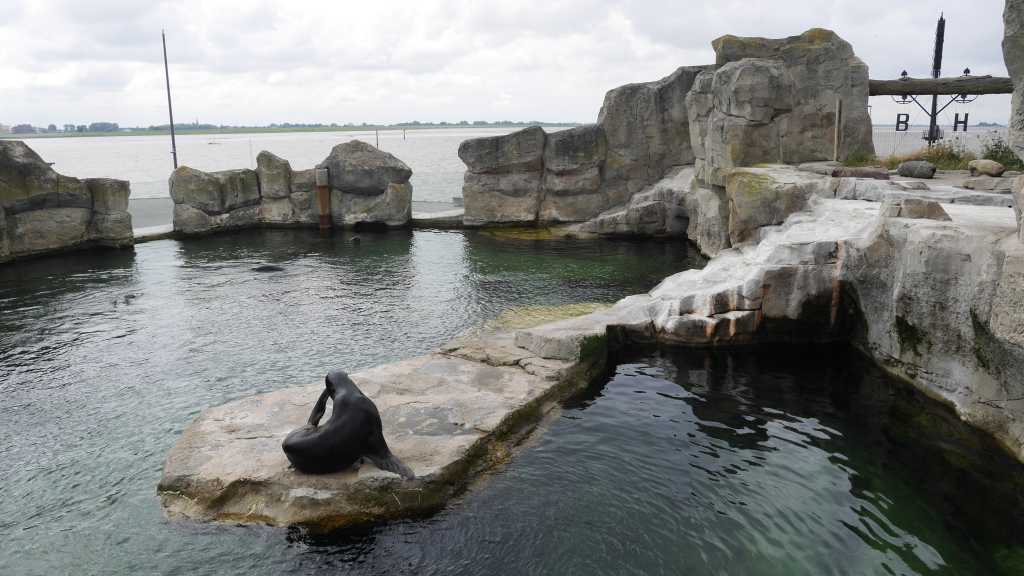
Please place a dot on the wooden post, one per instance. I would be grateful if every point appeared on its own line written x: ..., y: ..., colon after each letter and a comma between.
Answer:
x: 323, y: 196
x: 837, y: 138
x: 975, y: 85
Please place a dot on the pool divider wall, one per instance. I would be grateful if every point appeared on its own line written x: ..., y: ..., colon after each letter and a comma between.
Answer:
x: 43, y: 212
x: 367, y: 187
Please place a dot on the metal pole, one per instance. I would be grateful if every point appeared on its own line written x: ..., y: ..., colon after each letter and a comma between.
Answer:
x: 940, y: 36
x: 170, y: 110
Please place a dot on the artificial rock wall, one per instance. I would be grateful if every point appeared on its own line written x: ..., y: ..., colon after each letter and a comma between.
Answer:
x: 42, y: 211
x: 763, y: 101
x: 367, y: 186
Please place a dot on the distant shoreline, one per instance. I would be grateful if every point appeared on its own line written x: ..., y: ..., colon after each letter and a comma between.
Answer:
x: 270, y: 130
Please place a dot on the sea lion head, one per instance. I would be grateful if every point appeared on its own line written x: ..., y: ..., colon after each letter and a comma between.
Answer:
x: 337, y: 379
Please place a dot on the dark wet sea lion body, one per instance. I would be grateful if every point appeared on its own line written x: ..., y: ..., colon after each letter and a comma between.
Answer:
x: 353, y: 432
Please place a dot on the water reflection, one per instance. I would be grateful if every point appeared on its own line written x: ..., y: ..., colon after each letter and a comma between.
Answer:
x: 759, y: 461
x: 106, y: 356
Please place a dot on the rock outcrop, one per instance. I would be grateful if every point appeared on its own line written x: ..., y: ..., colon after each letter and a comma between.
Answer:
x: 42, y: 211
x: 573, y: 175
x: 647, y: 128
x: 368, y: 186
x: 504, y: 177
x: 755, y: 198
x: 764, y: 101
x: 774, y: 101
x: 676, y: 205
x: 451, y: 416
x: 1013, y: 55
x: 657, y: 211
x: 934, y: 298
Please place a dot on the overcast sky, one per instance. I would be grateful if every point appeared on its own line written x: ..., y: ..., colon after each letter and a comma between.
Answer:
x: 263, y: 61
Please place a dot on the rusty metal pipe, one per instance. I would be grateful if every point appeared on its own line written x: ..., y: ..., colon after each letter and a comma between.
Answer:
x: 323, y: 197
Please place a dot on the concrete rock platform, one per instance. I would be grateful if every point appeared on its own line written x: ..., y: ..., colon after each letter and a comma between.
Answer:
x: 450, y: 416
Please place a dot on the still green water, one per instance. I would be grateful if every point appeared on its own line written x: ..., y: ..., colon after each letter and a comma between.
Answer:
x: 786, y: 461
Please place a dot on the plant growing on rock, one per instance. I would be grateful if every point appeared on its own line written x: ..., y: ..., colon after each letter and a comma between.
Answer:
x: 995, y: 147
x: 945, y: 156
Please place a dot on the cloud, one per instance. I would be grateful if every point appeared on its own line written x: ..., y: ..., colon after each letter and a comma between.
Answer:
x: 262, y: 61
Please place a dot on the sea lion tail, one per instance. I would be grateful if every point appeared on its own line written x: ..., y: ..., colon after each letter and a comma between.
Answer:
x: 391, y: 463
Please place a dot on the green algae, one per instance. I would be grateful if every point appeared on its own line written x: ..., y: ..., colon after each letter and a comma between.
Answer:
x: 530, y: 316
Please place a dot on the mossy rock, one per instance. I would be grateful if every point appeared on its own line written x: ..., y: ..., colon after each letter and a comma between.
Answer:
x: 530, y: 316
x: 528, y: 233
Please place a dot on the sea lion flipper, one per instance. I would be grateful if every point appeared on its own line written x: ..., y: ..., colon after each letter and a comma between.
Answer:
x: 391, y: 463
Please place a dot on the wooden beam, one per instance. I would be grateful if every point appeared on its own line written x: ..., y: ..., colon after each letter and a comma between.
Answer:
x: 948, y: 86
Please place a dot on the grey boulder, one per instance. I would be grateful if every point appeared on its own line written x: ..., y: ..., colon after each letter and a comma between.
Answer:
x: 358, y: 168
x: 916, y: 169
x: 984, y: 167
x: 275, y: 175
x: 520, y: 151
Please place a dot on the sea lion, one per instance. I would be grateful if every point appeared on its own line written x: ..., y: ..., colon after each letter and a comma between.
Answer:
x: 353, y: 432
x: 268, y: 268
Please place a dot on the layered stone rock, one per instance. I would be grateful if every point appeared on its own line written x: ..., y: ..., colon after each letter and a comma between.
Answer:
x: 766, y: 196
x: 43, y: 211
x: 572, y: 175
x: 735, y: 116
x: 658, y: 210
x: 367, y: 186
x: 647, y: 129
x: 207, y: 202
x: 774, y: 100
x: 1013, y: 55
x: 764, y: 101
x: 843, y: 270
x: 504, y: 177
x: 676, y: 205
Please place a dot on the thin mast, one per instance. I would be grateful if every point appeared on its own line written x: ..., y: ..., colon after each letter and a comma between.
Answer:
x: 170, y: 110
x: 940, y: 36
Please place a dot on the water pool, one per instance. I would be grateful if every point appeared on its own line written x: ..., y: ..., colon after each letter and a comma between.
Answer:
x: 106, y: 356
x: 761, y: 461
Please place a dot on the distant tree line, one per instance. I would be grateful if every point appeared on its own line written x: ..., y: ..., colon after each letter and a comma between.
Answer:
x: 52, y: 128
x: 184, y: 127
